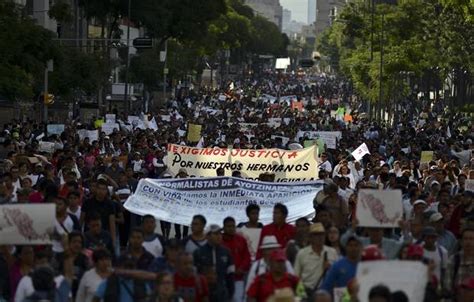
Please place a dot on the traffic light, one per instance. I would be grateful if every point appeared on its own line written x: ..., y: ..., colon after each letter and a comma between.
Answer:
x: 143, y: 43
x: 306, y: 63
x: 49, y: 99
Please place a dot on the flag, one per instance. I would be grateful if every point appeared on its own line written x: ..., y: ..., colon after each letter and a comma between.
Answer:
x: 360, y: 152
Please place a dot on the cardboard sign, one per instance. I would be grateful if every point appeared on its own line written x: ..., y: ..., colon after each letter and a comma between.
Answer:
x: 409, y: 277
x: 55, y: 129
x: 194, y: 133
x: 426, y: 156
x: 110, y: 118
x: 47, y: 147
x: 108, y: 128
x: 26, y: 223
x: 379, y: 208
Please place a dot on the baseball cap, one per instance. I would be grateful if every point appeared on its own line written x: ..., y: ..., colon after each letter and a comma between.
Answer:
x: 182, y: 171
x: 372, y: 252
x: 213, y: 228
x: 415, y: 250
x: 278, y: 255
x: 316, y: 228
x: 435, y: 217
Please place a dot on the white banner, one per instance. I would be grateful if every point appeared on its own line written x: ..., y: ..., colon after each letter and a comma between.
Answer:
x: 27, y: 223
x: 379, y: 208
x: 409, y: 277
x: 178, y: 200
x: 288, y: 165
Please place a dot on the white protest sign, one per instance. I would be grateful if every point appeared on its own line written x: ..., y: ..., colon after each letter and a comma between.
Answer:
x: 26, y: 223
x: 409, y: 277
x: 328, y: 137
x: 47, y: 147
x: 181, y: 133
x: 469, y: 186
x: 93, y: 135
x: 222, y: 97
x: 295, y: 165
x: 359, y: 153
x: 108, y: 128
x: 274, y: 122
x: 110, y: 118
x: 379, y: 208
x: 166, y: 118
x: 247, y: 126
x: 55, y: 129
x: 133, y: 118
x: 286, y: 120
x: 151, y: 124
x: 178, y: 200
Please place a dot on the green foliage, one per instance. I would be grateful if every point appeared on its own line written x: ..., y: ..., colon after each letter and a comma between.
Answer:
x: 76, y: 70
x: 26, y: 49
x: 425, y: 38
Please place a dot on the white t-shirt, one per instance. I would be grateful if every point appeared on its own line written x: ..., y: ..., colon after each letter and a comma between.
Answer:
x: 25, y: 287
x: 88, y: 286
x: 69, y: 226
x: 252, y: 235
x: 154, y: 246
x: 439, y: 257
x: 77, y: 213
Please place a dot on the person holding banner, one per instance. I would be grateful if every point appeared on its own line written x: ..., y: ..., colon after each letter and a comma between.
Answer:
x: 279, y: 228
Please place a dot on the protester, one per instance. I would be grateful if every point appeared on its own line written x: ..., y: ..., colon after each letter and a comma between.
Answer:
x: 215, y: 262
x: 425, y: 152
x: 267, y: 285
x: 312, y: 262
x: 279, y: 228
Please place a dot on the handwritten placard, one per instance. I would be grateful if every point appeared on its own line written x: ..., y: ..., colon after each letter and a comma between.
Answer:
x: 379, y: 208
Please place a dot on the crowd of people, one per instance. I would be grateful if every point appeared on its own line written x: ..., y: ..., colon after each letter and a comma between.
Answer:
x: 102, y: 252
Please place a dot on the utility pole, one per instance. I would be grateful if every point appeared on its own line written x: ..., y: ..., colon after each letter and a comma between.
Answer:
x: 48, y: 68
x: 372, y: 13
x: 381, y: 68
x: 165, y: 70
x: 45, y: 95
x: 125, y: 97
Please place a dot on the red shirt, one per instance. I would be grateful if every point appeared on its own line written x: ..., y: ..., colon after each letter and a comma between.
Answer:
x: 191, y: 289
x: 264, y: 286
x: 239, y: 250
x: 283, y: 234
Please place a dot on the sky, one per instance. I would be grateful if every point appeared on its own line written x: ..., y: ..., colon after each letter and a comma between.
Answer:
x: 299, y: 9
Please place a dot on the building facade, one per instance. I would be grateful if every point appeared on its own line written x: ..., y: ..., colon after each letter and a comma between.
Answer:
x: 326, y: 12
x: 269, y: 9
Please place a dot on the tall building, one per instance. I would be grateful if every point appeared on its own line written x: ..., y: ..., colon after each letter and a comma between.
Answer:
x: 326, y: 12
x: 286, y: 19
x: 311, y: 11
x: 269, y: 9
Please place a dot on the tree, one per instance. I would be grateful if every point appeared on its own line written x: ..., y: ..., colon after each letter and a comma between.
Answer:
x: 27, y: 48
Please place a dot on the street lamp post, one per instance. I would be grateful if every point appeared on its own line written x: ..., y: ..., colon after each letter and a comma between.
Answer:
x: 125, y: 97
